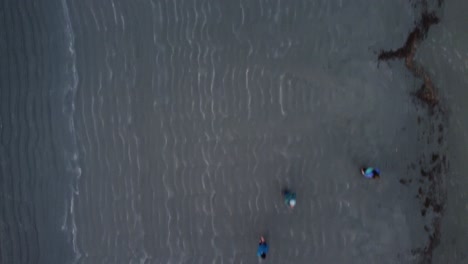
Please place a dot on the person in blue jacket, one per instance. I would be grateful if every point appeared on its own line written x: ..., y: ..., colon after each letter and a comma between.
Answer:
x: 370, y: 173
x: 262, y: 248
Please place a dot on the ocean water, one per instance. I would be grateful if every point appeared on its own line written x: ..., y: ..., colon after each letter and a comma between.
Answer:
x: 164, y: 131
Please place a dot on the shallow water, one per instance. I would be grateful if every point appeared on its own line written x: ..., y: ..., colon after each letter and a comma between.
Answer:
x: 164, y: 131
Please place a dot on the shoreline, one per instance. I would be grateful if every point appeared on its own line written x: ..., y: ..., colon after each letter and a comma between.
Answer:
x: 433, y: 168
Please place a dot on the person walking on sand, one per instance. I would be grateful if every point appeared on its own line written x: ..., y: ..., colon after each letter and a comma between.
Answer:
x: 370, y: 173
x: 289, y: 198
x: 262, y: 248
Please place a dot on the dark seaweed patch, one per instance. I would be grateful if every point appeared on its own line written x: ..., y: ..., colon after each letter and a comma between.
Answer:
x: 431, y: 169
x: 426, y: 92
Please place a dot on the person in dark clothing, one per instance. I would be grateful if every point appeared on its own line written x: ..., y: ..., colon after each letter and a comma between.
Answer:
x: 289, y: 198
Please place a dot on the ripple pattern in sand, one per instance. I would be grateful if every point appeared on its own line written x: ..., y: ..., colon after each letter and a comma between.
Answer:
x: 193, y: 114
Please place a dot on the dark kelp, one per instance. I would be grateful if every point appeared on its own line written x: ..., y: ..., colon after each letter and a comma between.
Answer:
x: 432, y: 169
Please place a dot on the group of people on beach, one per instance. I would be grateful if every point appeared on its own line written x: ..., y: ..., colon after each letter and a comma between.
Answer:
x: 290, y: 201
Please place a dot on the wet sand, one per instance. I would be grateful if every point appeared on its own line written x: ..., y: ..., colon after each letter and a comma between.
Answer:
x: 164, y: 132
x: 192, y: 134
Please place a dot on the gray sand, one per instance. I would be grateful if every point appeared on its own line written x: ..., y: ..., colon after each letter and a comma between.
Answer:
x: 164, y: 132
x: 191, y: 118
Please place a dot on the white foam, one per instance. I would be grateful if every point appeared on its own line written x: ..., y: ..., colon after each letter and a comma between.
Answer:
x: 281, y: 95
x: 71, y: 155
